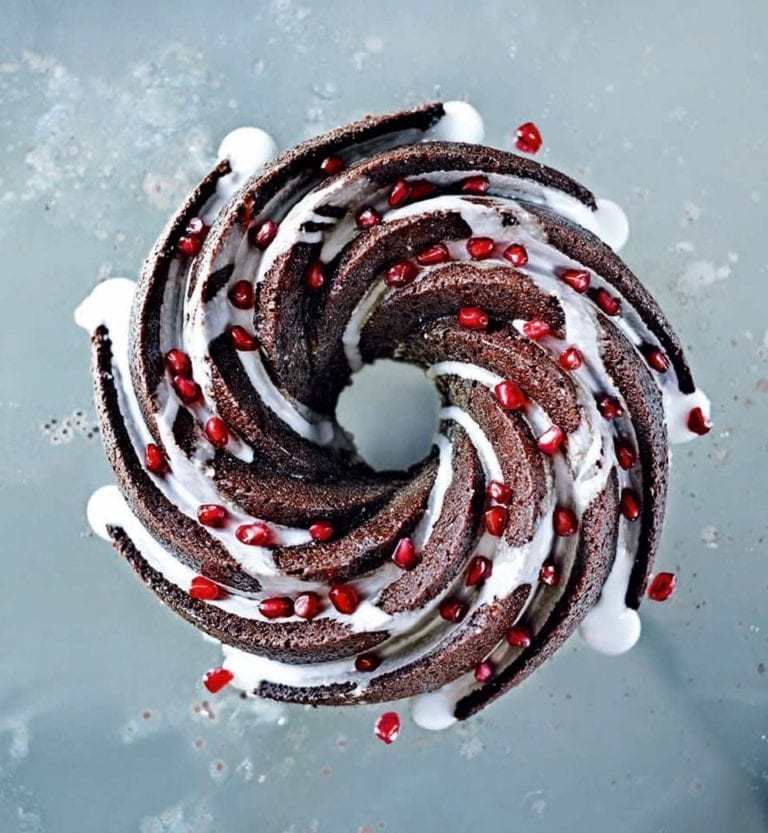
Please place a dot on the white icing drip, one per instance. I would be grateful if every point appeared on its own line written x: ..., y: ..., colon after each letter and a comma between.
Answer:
x: 461, y: 123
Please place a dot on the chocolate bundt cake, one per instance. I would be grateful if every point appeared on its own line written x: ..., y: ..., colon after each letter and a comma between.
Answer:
x: 244, y: 506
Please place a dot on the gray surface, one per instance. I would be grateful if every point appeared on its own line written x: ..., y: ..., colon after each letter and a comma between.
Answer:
x: 107, y: 116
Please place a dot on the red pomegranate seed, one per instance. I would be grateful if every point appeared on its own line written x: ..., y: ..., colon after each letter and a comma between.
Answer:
x: 197, y: 227
x: 549, y: 574
x: 405, y: 555
x: 484, y: 671
x: 278, y: 607
x: 400, y: 192
x: 401, y: 273
x: 528, y: 138
x: 479, y: 569
x: 571, y: 358
x: 211, y: 514
x: 662, y: 586
x: 498, y: 492
x: 262, y: 236
x: 217, y: 678
x: 186, y: 389
x: 434, y: 254
x: 609, y: 407
x: 536, y: 329
x: 475, y: 185
x: 367, y: 662
x: 203, y: 588
x: 699, y: 422
x: 625, y: 454
x: 453, y: 610
x: 367, y: 218
x: 256, y: 534
x: 217, y: 432
x: 387, y: 727
x: 154, y: 459
x: 473, y: 318
x: 630, y: 504
x: 496, y: 520
x: 509, y: 395
x: 607, y: 303
x: 332, y: 165
x: 519, y: 637
x: 307, y: 605
x: 344, y: 598
x: 565, y: 521
x: 421, y: 188
x: 516, y: 254
x: 551, y: 440
x: 188, y: 246
x: 321, y: 530
x: 315, y: 278
x: 178, y: 363
x: 657, y: 360
x: 242, y: 339
x: 577, y: 279
x: 241, y: 295
x: 480, y: 248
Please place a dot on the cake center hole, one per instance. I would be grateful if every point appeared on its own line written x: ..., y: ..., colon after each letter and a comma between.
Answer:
x: 391, y: 410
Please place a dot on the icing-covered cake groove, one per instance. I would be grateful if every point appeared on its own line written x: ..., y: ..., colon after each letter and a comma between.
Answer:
x: 242, y: 503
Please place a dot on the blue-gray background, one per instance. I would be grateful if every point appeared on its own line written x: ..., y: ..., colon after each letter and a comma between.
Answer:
x: 108, y: 113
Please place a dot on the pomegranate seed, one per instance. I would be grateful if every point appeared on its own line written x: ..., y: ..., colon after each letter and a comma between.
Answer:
x: 662, y: 586
x: 186, y: 389
x: 478, y: 569
x: 401, y: 273
x: 528, y: 138
x: 257, y: 534
x: 332, y: 165
x: 549, y: 574
x: 405, y: 554
x: 453, y: 610
x: 484, y: 671
x: 480, y: 248
x: 154, y: 459
x: 203, y: 588
x: 434, y: 254
x: 609, y: 407
x: 630, y: 504
x: 188, y: 246
x: 565, y: 521
x: 699, y: 422
x: 475, y: 185
x: 307, y: 605
x: 315, y: 278
x: 509, y: 395
x: 217, y: 432
x: 473, y: 318
x: 421, y: 188
x: 321, y: 530
x: 178, y: 363
x: 344, y: 598
x: 242, y: 339
x: 242, y: 295
x: 496, y: 520
x: 262, y: 236
x: 367, y: 662
x: 536, y: 329
x: 625, y: 454
x: 519, y: 637
x: 400, y: 192
x: 498, y: 492
x: 367, y: 218
x: 211, y: 514
x: 217, y: 678
x: 571, y: 358
x: 387, y: 727
x: 551, y: 440
x: 607, y: 303
x: 577, y: 279
x: 278, y: 607
x: 657, y: 360
x: 197, y: 227
x: 516, y: 254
